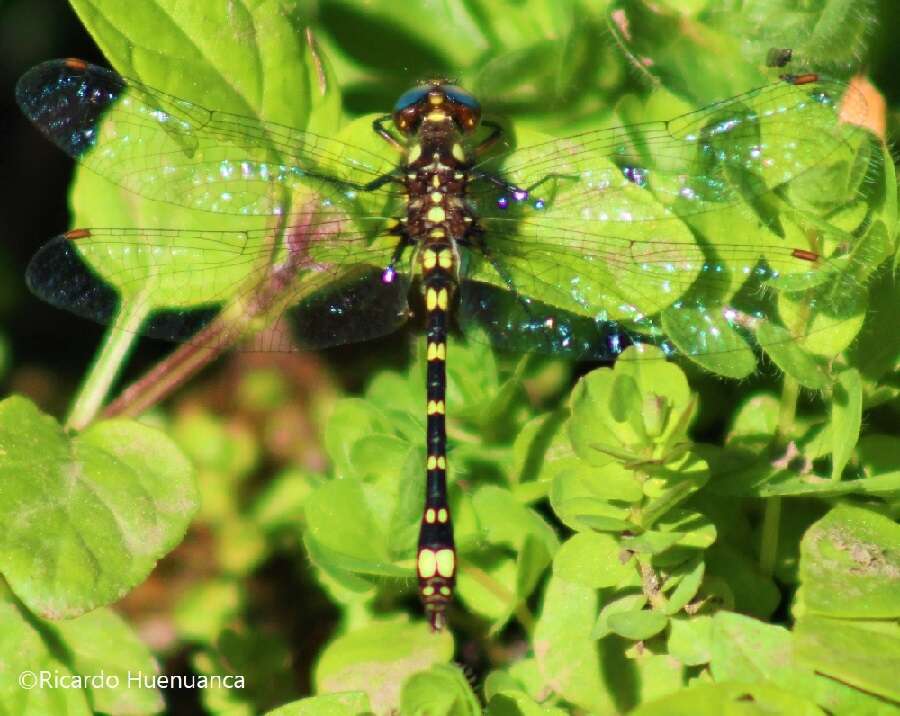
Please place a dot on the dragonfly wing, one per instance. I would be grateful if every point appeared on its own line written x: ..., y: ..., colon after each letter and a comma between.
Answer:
x: 635, y: 228
x: 181, y: 281
x: 169, y: 149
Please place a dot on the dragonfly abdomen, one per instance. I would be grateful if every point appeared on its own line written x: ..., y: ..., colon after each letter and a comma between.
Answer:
x: 437, y: 218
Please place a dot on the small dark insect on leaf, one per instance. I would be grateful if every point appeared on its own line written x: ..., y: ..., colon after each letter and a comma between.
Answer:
x: 779, y: 56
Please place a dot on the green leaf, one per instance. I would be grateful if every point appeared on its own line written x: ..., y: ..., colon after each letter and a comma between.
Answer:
x: 350, y: 703
x: 565, y: 651
x: 206, y: 609
x: 730, y: 698
x: 690, y: 640
x: 863, y: 654
x: 846, y: 419
x: 378, y: 658
x: 849, y: 566
x: 638, y: 625
x: 517, y: 703
x: 504, y: 521
x: 256, y: 59
x: 341, y: 520
x: 780, y: 346
x: 86, y: 518
x: 628, y: 603
x: 442, y: 690
x: 25, y: 655
x: 733, y: 357
x: 754, y: 593
x: 102, y: 643
x: 748, y: 650
x: 687, y: 586
x: 594, y: 560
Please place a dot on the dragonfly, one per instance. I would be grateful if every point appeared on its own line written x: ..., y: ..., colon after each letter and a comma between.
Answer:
x: 700, y: 234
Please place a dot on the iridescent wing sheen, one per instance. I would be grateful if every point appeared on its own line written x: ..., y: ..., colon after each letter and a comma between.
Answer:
x: 172, y: 150
x: 319, y: 265
x: 673, y: 232
x: 179, y: 281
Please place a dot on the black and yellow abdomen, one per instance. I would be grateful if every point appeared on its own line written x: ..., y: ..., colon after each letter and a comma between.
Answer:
x: 437, y: 217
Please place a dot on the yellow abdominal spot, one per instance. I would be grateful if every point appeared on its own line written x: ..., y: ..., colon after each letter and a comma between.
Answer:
x: 436, y: 214
x: 432, y: 462
x: 442, y: 462
x: 442, y: 299
x: 445, y: 591
x: 427, y: 563
x: 429, y: 515
x: 429, y: 259
x: 445, y: 258
x: 431, y: 299
x: 435, y: 407
x: 427, y: 591
x: 442, y: 515
x: 415, y: 151
x: 445, y: 561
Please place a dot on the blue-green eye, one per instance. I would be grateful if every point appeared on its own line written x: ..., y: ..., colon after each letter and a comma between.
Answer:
x: 459, y: 95
x: 411, y: 97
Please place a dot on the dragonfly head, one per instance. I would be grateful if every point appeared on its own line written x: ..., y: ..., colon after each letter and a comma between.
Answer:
x: 436, y: 101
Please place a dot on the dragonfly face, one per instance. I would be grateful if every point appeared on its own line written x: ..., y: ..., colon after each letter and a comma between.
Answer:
x: 438, y: 101
x: 675, y: 233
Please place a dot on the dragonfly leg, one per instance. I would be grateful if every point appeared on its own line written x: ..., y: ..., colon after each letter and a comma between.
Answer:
x: 378, y: 182
x: 491, y: 139
x: 385, y: 134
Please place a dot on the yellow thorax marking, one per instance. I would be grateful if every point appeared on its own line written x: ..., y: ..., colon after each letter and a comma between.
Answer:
x: 437, y: 197
x: 436, y: 116
x: 435, y: 181
x: 435, y: 98
x: 415, y: 151
x: 458, y: 153
x: 429, y: 259
x: 437, y: 233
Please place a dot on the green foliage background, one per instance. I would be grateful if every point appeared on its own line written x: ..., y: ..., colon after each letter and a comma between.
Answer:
x: 645, y: 538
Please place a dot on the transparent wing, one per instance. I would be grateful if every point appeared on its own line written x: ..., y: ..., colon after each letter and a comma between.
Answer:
x: 169, y: 149
x: 675, y: 229
x: 329, y: 292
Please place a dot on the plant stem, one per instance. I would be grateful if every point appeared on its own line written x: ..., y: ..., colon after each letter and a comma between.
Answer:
x: 768, y: 548
x: 117, y: 342
x: 521, y: 611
